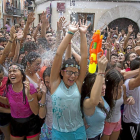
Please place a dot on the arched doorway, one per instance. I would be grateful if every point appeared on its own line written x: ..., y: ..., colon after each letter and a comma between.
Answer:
x: 123, y: 23
x: 125, y: 11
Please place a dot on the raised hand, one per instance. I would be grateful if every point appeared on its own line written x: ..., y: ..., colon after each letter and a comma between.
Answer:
x: 30, y: 18
x: 83, y: 27
x: 130, y: 29
x: 19, y: 34
x: 61, y: 24
x: 73, y: 27
x: 27, y: 87
x: 43, y: 88
x: 12, y: 33
x: 102, y: 63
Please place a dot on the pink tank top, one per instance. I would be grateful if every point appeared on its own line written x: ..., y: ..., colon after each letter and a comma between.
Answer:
x: 18, y: 108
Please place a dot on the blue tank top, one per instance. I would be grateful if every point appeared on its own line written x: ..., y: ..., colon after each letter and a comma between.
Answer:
x: 96, y: 121
x: 67, y: 116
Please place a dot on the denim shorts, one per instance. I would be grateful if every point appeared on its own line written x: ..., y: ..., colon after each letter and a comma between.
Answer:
x: 79, y: 134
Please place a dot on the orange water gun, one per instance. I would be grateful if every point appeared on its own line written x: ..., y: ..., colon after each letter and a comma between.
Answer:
x: 97, y: 40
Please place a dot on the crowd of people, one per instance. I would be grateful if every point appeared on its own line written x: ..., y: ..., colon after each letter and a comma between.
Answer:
x: 47, y: 93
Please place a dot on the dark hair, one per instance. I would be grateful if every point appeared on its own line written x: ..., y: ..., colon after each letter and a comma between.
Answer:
x: 3, y: 39
x: 1, y: 48
x: 112, y: 80
x: 31, y: 57
x: 135, y: 64
x: 43, y: 42
x: 7, y: 22
x: 1, y: 69
x: 69, y: 61
x: 47, y: 72
x: 48, y: 32
x: 127, y: 57
x: 30, y: 46
x: 113, y: 55
x: 23, y: 79
x: 86, y: 90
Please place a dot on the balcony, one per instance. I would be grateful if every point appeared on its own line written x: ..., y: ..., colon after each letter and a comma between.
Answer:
x: 13, y: 11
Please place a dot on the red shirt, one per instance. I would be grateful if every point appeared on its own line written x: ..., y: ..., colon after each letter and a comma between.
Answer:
x: 128, y: 69
x: 2, y: 89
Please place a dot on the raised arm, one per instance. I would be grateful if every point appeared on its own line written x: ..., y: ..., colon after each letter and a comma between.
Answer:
x: 134, y: 82
x: 36, y: 31
x: 95, y: 95
x: 55, y: 77
x: 8, y: 46
x: 76, y: 56
x: 45, y: 24
x: 30, y: 19
x: 16, y: 55
x: 130, y: 74
x: 84, y: 54
x: 68, y: 52
x: 130, y: 30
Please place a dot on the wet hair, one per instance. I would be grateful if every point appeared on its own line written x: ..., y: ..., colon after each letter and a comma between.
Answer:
x: 112, y: 80
x: 47, y: 72
x: 119, y: 65
x: 30, y: 46
x: 1, y: 69
x: 31, y: 57
x: 42, y: 42
x: 23, y: 79
x: 86, y: 90
x: 69, y: 61
x: 135, y: 64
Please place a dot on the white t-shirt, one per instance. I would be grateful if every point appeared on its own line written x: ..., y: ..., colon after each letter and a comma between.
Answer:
x: 132, y: 112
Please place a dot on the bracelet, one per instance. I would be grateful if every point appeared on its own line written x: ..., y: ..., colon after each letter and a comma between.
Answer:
x: 69, y: 32
x: 101, y: 74
x: 69, y: 43
x: 42, y: 105
x: 10, y: 41
x: 31, y: 100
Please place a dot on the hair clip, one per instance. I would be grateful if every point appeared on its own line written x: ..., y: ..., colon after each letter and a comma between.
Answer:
x: 66, y: 65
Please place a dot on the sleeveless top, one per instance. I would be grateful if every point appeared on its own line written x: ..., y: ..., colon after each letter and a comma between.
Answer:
x: 18, y: 108
x: 116, y: 112
x: 96, y: 121
x: 67, y: 116
x: 32, y: 82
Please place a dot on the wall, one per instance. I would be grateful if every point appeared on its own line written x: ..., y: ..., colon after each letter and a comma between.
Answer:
x: 99, y: 8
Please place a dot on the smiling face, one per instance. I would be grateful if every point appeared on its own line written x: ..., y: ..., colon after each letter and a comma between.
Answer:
x: 69, y: 77
x: 35, y: 65
x: 121, y: 57
x: 15, y: 75
x: 49, y: 38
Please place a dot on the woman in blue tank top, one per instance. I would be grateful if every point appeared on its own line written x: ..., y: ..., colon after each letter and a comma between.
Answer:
x: 94, y: 106
x: 66, y: 88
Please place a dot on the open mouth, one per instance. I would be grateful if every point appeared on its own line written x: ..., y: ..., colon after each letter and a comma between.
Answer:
x: 12, y: 77
x: 71, y: 81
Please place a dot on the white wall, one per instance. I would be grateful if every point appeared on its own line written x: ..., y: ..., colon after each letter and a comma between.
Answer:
x: 99, y: 8
x: 1, y: 16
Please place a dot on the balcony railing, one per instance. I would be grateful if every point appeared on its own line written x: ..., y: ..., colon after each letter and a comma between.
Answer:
x: 13, y: 11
